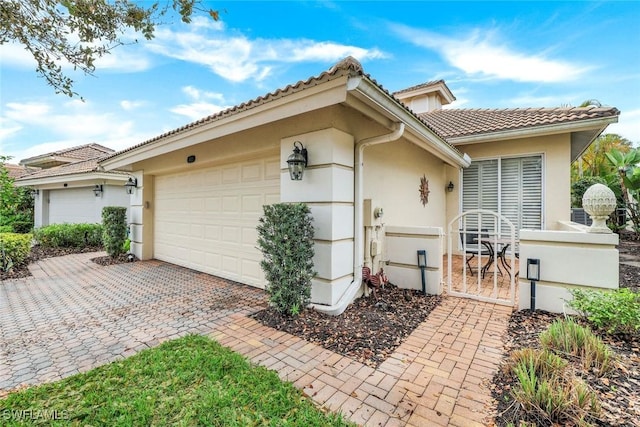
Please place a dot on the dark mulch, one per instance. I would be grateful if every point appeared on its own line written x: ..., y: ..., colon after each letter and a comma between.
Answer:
x: 618, y: 391
x: 38, y: 252
x: 368, y: 331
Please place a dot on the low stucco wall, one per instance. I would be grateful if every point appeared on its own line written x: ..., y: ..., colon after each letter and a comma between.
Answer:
x: 402, y: 244
x: 568, y: 260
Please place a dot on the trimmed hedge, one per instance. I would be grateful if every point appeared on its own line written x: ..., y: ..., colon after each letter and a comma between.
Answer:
x: 114, y: 222
x: 69, y: 235
x: 14, y: 249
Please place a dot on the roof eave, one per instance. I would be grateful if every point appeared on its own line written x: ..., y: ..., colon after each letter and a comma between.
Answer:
x: 577, y: 126
x: 327, y: 93
x: 73, y: 177
x: 417, y: 132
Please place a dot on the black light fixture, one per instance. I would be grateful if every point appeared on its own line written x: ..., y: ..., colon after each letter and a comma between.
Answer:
x: 533, y: 274
x: 422, y: 263
x: 97, y: 190
x: 131, y: 185
x: 35, y: 192
x: 297, y: 161
x: 450, y: 187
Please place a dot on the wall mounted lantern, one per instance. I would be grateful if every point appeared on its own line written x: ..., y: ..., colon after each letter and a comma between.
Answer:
x: 97, y: 190
x: 35, y: 192
x: 450, y: 187
x: 533, y: 274
x: 131, y: 185
x: 422, y: 263
x: 297, y: 161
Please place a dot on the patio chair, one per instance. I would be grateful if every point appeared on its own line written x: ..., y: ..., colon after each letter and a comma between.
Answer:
x: 469, y: 240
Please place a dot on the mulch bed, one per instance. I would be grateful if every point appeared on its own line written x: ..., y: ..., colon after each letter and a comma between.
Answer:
x: 618, y: 391
x: 368, y: 331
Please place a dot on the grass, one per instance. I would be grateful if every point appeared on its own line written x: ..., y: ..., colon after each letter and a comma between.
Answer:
x: 192, y: 381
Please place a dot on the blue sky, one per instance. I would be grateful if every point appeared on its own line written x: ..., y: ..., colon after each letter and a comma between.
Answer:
x: 491, y: 55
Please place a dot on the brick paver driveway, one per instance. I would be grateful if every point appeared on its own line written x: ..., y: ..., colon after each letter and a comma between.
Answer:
x: 73, y: 314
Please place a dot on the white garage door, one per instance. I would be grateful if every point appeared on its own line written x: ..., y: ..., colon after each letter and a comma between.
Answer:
x: 73, y: 205
x: 206, y: 219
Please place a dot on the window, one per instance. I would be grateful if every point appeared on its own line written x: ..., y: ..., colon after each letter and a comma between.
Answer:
x: 509, y: 186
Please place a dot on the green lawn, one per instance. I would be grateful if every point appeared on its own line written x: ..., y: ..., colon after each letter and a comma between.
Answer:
x: 192, y: 381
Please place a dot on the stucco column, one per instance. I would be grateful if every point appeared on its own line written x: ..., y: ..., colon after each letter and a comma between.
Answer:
x: 327, y: 187
x: 141, y: 225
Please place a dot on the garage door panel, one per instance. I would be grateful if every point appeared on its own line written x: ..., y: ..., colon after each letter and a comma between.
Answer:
x: 206, y: 220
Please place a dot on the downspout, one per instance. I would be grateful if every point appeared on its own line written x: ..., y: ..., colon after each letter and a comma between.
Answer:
x: 358, y: 243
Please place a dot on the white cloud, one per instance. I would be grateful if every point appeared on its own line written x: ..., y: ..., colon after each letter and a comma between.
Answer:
x: 197, y: 110
x: 128, y: 105
x: 628, y: 126
x: 480, y: 53
x: 16, y: 55
x: 238, y: 58
x: 197, y: 94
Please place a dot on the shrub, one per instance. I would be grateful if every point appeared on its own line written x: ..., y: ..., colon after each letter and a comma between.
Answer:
x: 22, y: 226
x: 616, y: 312
x: 69, y: 235
x: 14, y: 249
x: 547, y: 388
x: 285, y: 237
x: 114, y: 221
x: 567, y: 337
x: 6, y: 229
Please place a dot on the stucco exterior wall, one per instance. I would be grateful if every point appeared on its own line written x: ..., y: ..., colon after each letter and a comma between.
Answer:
x: 556, y: 161
x: 392, y: 173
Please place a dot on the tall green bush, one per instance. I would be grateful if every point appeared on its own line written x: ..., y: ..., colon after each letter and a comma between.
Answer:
x: 69, y: 235
x: 114, y: 221
x: 616, y: 312
x: 285, y: 237
x: 14, y: 249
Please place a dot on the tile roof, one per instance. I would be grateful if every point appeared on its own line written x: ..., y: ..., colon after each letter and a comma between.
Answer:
x: 348, y: 66
x: 16, y: 171
x: 80, y: 152
x: 84, y: 166
x: 420, y: 86
x: 453, y: 123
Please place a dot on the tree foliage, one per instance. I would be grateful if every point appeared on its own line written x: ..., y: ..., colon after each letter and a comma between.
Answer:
x: 16, y: 203
x: 77, y: 32
x: 626, y: 165
x: 593, y: 162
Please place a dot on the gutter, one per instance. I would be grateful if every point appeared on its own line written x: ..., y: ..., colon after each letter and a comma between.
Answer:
x: 585, y: 125
x: 358, y: 243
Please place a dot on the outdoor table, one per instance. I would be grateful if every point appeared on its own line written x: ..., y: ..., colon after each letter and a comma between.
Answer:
x: 503, y: 245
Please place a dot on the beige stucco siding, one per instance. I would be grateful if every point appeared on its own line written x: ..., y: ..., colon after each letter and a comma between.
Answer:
x: 556, y: 152
x: 392, y: 173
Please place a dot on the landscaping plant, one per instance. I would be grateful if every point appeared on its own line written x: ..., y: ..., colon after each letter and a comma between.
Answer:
x: 114, y: 222
x: 16, y: 203
x: 616, y: 312
x: 14, y: 249
x: 285, y: 237
x: 69, y: 235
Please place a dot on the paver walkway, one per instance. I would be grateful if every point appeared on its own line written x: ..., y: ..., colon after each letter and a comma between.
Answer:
x: 74, y: 315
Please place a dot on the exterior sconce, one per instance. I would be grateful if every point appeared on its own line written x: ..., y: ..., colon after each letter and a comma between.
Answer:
x: 422, y: 263
x: 450, y: 187
x: 297, y: 161
x: 97, y: 190
x: 35, y: 192
x: 131, y: 185
x: 533, y: 274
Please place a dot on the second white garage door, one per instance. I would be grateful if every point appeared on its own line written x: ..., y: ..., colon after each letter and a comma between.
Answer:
x: 206, y: 219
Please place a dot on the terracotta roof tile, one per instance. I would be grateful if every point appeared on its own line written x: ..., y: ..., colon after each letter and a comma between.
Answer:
x: 349, y: 66
x: 85, y: 166
x: 420, y: 86
x: 80, y: 152
x: 454, y: 123
x: 16, y: 171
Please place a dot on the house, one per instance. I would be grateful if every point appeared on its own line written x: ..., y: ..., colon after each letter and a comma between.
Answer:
x: 16, y: 171
x: 70, y: 187
x: 385, y: 175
